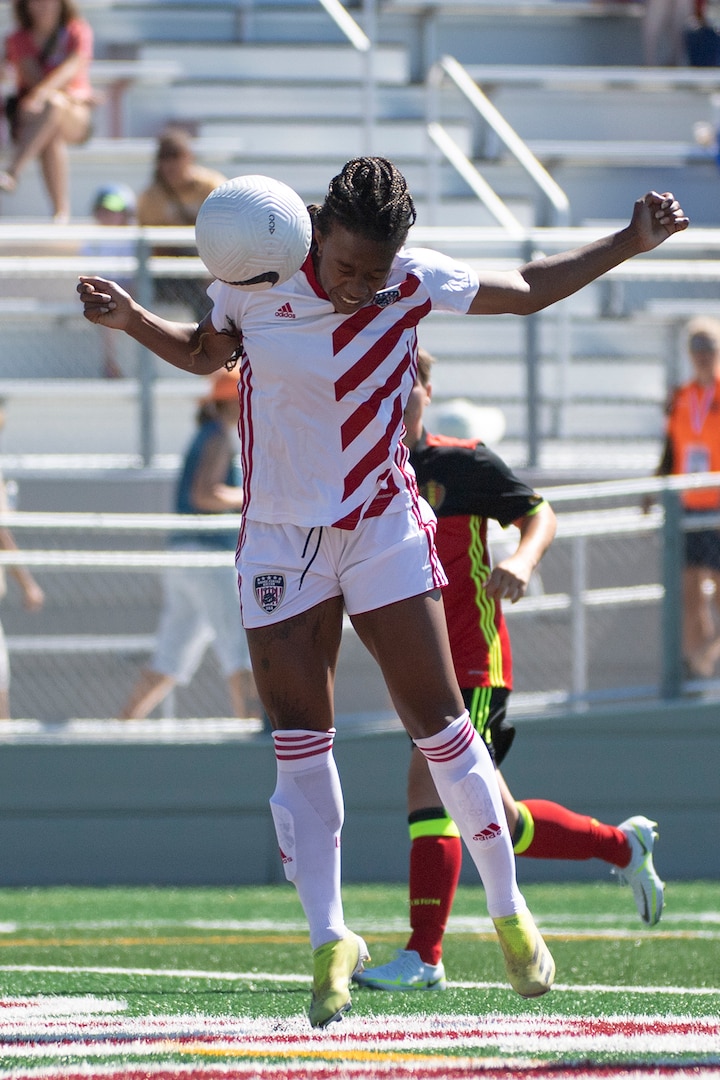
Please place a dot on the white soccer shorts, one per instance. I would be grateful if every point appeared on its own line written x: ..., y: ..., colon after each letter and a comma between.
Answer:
x: 287, y: 569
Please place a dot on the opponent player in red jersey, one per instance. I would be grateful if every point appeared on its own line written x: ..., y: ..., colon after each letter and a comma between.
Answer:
x: 333, y: 522
x: 467, y: 485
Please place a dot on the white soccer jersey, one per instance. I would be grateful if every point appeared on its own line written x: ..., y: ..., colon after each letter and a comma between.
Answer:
x: 323, y: 394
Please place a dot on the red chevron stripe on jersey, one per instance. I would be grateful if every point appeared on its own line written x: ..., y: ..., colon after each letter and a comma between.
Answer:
x: 340, y: 383
x: 376, y: 455
x: 377, y: 507
x: 352, y: 326
x: 363, y: 368
x: 367, y: 412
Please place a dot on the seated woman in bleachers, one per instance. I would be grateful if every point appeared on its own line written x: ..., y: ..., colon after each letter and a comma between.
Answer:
x: 178, y: 188
x: 48, y: 57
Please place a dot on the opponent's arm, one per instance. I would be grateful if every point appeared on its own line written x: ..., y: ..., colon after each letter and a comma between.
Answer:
x: 543, y: 282
x: 510, y: 578
x: 209, y: 492
x: 200, y: 349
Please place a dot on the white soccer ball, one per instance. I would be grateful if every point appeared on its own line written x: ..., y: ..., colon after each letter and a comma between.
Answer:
x: 253, y: 232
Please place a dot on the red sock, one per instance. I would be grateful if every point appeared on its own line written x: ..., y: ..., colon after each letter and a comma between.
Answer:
x: 435, y: 863
x: 562, y: 834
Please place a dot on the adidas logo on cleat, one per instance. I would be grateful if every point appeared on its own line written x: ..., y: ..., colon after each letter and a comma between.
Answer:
x: 285, y: 312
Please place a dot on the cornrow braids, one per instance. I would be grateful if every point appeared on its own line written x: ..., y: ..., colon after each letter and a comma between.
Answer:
x: 370, y: 197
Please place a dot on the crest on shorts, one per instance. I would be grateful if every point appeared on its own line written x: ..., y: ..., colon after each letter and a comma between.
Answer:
x: 269, y: 590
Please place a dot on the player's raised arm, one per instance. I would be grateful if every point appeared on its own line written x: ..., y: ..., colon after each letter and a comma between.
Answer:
x: 543, y: 282
x: 198, y: 349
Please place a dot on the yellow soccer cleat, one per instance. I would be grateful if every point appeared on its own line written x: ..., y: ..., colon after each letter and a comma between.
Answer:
x: 528, y: 962
x: 334, y: 965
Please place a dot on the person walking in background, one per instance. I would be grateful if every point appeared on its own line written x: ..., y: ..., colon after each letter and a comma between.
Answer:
x: 201, y: 606
x: 334, y: 523
x: 467, y: 485
x: 49, y: 57
x: 702, y: 39
x: 33, y: 596
x: 178, y: 189
x: 664, y: 29
x: 692, y: 445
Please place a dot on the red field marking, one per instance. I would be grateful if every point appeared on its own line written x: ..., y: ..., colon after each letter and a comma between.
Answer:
x: 90, y: 1036
x: 442, y: 1069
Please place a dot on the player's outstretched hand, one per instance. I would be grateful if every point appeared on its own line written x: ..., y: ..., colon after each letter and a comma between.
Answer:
x: 509, y: 579
x: 655, y: 217
x: 104, y: 302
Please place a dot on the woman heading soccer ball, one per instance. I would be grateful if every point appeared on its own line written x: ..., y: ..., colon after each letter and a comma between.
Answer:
x: 333, y: 520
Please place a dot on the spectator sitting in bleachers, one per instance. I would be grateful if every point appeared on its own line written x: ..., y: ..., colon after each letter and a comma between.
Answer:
x: 178, y: 189
x: 48, y: 57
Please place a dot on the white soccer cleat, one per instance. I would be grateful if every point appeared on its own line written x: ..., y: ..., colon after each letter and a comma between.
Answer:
x: 405, y: 972
x: 640, y: 872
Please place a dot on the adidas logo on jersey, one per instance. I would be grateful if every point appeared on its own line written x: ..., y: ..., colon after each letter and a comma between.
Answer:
x: 285, y: 312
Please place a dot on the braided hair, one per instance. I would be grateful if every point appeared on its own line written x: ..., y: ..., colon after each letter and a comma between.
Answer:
x: 370, y: 197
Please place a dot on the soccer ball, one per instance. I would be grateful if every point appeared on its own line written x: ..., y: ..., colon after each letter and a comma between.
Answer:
x: 253, y: 232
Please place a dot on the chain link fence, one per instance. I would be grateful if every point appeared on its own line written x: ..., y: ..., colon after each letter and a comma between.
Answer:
x: 601, y: 622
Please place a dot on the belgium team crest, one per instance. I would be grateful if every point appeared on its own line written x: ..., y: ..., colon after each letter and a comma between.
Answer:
x: 269, y: 590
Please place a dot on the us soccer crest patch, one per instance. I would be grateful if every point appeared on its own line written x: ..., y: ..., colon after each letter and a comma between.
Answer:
x: 269, y: 590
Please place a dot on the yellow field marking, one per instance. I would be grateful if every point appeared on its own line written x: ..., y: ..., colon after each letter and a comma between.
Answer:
x: 144, y: 942
x: 374, y: 1056
x: 252, y: 938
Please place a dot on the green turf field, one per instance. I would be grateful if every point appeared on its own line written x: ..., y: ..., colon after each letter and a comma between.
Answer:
x: 215, y: 982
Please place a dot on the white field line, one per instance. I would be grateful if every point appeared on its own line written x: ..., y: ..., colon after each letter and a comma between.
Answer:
x: 684, y: 925
x: 305, y: 979
x: 204, y: 1035
x: 411, y: 1069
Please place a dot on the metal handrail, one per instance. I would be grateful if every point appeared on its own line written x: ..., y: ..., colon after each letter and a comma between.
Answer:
x: 448, y: 67
x: 475, y: 181
x: 363, y: 41
x: 345, y: 22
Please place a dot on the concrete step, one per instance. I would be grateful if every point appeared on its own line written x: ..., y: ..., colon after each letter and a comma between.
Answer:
x: 280, y: 63
x: 540, y: 113
x: 131, y: 162
x: 329, y: 140
x: 193, y: 101
x: 609, y: 190
x: 217, y: 20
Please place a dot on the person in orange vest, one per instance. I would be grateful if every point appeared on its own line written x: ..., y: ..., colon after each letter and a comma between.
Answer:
x: 692, y: 445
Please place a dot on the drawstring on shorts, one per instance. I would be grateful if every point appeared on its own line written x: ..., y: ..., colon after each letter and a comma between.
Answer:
x: 314, y: 554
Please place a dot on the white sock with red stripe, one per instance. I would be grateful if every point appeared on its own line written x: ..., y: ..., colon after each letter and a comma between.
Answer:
x: 307, y: 808
x: 464, y: 776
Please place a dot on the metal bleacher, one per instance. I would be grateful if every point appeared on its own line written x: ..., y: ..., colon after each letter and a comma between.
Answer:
x: 273, y: 86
